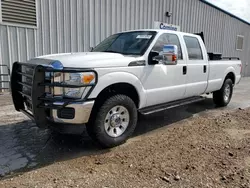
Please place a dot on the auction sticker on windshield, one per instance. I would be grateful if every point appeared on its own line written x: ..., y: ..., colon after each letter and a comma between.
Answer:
x: 144, y: 36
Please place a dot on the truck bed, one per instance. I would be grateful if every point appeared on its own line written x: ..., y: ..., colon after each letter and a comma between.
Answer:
x: 218, y: 69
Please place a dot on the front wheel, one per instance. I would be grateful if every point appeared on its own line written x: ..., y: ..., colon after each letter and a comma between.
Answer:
x: 114, y: 122
x: 223, y: 96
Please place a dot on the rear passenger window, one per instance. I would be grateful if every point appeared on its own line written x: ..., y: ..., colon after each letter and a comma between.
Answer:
x: 193, y: 48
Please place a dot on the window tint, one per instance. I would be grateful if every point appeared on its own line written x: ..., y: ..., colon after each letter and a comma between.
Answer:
x: 128, y: 43
x: 167, y: 39
x: 193, y: 48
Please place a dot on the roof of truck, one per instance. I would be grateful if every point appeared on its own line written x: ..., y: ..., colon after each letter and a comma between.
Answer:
x: 160, y: 31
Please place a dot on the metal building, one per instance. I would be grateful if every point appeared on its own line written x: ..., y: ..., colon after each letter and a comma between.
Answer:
x: 30, y: 28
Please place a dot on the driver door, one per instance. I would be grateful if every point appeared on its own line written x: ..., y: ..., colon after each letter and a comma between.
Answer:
x: 165, y: 83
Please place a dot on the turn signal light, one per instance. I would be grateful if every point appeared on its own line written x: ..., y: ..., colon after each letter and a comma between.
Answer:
x: 86, y: 79
x: 174, y: 58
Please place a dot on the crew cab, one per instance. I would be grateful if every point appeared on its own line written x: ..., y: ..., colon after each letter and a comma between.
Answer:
x: 139, y: 71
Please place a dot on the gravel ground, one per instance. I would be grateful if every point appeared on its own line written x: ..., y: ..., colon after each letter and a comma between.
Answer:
x: 5, y: 99
x: 202, y: 151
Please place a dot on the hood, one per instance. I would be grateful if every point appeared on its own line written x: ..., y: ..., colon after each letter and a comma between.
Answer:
x: 86, y: 59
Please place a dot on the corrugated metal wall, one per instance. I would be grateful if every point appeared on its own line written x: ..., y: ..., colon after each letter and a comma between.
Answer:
x: 75, y: 25
x: 60, y: 29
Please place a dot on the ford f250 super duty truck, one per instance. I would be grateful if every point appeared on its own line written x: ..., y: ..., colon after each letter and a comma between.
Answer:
x: 143, y: 71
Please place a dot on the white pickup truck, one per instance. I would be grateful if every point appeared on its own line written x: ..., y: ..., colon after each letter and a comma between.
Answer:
x: 143, y: 71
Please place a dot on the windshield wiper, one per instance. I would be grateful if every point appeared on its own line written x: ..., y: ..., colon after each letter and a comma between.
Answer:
x: 112, y: 51
x: 123, y: 53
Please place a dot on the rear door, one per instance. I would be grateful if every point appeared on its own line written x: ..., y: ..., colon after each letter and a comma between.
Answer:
x: 197, y: 66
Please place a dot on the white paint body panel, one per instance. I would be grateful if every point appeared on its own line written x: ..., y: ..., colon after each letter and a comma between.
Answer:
x: 90, y: 59
x: 155, y: 84
x: 218, y: 71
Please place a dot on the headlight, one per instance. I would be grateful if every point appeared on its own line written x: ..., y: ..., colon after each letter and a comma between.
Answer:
x: 77, y: 79
x: 73, y: 79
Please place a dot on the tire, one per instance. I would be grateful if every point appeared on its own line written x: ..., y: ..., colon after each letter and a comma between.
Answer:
x: 114, y: 122
x: 223, y: 96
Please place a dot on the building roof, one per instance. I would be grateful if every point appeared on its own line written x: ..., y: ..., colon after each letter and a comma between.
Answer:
x: 230, y: 14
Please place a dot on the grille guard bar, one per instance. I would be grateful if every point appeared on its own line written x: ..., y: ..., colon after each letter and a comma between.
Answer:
x: 40, y: 104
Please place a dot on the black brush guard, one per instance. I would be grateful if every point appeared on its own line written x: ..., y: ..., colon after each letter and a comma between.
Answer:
x: 29, y: 96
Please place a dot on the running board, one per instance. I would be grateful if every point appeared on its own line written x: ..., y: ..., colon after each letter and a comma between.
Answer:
x: 169, y: 105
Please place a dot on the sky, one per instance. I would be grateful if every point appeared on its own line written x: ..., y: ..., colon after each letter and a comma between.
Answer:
x: 239, y: 8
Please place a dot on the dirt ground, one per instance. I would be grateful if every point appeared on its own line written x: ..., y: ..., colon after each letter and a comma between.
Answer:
x: 202, y: 151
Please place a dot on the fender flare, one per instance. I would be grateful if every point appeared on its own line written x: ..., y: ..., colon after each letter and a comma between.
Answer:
x: 120, y: 77
x: 227, y: 71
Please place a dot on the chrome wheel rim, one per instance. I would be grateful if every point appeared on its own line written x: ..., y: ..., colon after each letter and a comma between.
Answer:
x: 227, y: 93
x: 116, y: 121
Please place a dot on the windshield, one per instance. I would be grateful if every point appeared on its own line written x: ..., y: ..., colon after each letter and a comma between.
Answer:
x: 129, y: 43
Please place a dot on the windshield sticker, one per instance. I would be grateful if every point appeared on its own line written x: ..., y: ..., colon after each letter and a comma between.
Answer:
x: 144, y: 36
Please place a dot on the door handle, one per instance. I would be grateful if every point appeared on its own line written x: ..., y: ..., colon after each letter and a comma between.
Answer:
x: 205, y: 68
x: 184, y: 69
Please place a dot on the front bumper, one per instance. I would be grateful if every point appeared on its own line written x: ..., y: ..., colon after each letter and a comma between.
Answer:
x: 33, y: 94
x: 81, y: 115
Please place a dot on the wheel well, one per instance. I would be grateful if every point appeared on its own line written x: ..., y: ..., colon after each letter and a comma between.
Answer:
x: 119, y: 88
x: 231, y: 76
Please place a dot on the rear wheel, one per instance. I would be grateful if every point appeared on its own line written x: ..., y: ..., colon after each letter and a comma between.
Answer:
x: 223, y: 96
x: 114, y: 122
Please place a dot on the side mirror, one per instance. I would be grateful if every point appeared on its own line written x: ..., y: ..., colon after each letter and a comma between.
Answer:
x: 168, y: 56
x: 151, y: 58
